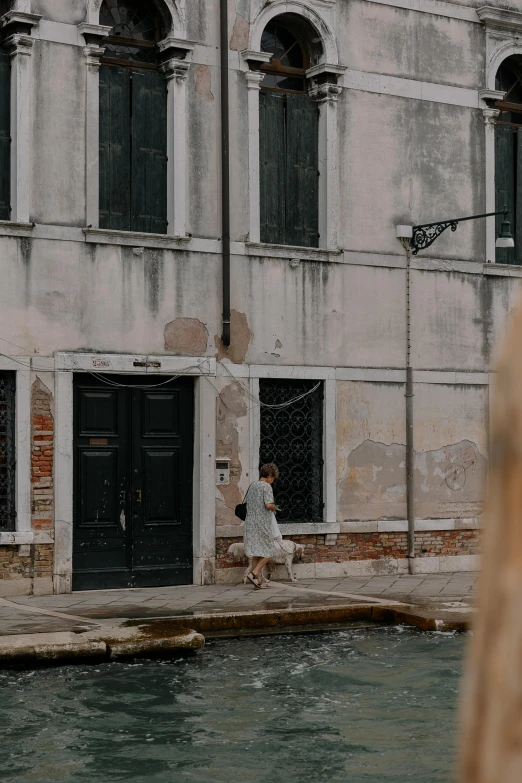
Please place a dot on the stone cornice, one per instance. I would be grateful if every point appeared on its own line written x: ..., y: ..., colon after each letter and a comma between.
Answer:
x: 255, y: 60
x: 500, y: 18
x: 20, y: 19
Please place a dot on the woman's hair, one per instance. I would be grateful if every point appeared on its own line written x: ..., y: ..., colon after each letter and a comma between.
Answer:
x: 269, y: 470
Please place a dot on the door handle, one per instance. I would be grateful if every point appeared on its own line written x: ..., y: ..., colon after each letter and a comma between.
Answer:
x: 138, y: 495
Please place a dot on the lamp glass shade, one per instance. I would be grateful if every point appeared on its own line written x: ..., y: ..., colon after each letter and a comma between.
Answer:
x: 505, y: 242
x: 505, y: 238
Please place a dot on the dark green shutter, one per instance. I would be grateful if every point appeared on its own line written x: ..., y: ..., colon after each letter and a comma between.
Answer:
x: 272, y: 166
x: 115, y: 148
x: 516, y: 217
x: 302, y: 188
x: 5, y: 136
x: 149, y: 152
x: 505, y: 183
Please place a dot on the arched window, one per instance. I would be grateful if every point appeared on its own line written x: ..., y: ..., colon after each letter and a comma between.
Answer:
x: 133, y: 119
x: 288, y: 136
x: 508, y: 154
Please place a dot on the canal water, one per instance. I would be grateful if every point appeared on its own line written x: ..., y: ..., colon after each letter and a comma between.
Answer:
x: 367, y: 706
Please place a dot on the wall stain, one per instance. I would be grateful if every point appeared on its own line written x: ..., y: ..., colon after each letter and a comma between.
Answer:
x: 231, y: 406
x: 203, y: 82
x: 447, y: 480
x: 186, y: 337
x: 240, y: 34
x: 240, y: 339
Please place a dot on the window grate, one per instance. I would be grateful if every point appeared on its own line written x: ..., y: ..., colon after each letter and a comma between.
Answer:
x: 292, y: 437
x: 7, y: 451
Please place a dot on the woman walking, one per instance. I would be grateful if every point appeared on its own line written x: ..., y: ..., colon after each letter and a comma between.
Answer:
x: 262, y: 533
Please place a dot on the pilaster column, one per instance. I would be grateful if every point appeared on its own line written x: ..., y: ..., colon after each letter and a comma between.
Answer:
x: 176, y: 54
x: 490, y: 114
x: 17, y: 29
x: 176, y: 72
x: 93, y: 50
x: 326, y: 91
x: 254, y: 78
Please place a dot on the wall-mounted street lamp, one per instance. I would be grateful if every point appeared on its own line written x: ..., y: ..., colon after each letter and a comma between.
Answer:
x: 425, y: 235
x: 415, y: 239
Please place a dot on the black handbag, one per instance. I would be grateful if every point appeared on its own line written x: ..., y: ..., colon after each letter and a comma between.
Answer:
x: 241, y: 508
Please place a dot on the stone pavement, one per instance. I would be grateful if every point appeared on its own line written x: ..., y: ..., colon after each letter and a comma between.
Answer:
x: 433, y: 595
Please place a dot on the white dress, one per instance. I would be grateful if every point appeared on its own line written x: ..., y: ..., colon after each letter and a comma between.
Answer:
x: 261, y: 529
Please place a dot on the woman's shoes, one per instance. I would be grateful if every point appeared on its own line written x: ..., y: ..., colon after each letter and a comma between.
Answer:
x: 258, y: 584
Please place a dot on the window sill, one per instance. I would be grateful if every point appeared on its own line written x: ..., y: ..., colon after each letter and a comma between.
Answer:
x: 291, y: 251
x: 10, y: 228
x: 503, y: 270
x: 286, y: 528
x: 102, y: 236
x: 18, y: 538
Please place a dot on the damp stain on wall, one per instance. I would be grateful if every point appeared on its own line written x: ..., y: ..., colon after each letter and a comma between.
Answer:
x: 448, y: 481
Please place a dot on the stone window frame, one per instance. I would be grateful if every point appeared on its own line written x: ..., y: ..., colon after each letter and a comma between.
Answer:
x: 204, y: 486
x: 18, y: 27
x: 23, y: 533
x: 324, y: 77
x: 503, y: 39
x: 328, y: 376
x: 176, y: 54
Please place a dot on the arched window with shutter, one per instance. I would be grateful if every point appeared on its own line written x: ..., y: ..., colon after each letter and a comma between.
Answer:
x: 508, y: 154
x: 288, y: 139
x: 133, y: 119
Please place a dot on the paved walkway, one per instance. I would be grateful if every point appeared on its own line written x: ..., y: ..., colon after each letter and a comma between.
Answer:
x: 434, y: 594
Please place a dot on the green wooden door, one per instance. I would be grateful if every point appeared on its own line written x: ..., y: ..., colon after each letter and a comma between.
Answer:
x: 133, y: 466
x: 5, y: 135
x: 289, y: 177
x: 133, y: 150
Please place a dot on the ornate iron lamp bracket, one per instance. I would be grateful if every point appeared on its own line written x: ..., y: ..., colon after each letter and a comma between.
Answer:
x: 425, y: 235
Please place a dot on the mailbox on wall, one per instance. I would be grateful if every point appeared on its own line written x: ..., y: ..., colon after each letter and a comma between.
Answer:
x: 223, y: 470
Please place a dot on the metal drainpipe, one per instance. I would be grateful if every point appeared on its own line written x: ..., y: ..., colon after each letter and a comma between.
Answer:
x: 225, y: 172
x: 410, y: 453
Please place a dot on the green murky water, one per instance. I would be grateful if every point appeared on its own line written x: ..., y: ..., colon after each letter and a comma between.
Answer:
x: 348, y: 706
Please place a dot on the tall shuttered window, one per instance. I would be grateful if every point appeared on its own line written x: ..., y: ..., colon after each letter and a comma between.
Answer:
x: 7, y: 451
x: 508, y: 155
x: 288, y: 144
x: 5, y: 135
x: 133, y: 121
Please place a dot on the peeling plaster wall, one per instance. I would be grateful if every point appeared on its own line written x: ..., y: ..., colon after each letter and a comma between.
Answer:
x: 232, y: 436
x: 450, y: 451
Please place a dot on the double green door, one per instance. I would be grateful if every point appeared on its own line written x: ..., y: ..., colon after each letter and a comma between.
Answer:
x: 133, y: 464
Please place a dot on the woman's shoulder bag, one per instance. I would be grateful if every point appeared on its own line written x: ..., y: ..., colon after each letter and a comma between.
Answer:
x: 241, y: 508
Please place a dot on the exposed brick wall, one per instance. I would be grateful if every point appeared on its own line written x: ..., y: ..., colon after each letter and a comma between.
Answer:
x: 42, y: 432
x: 368, y: 546
x: 37, y: 563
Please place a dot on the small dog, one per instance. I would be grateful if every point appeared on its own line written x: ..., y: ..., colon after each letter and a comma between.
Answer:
x: 289, y: 551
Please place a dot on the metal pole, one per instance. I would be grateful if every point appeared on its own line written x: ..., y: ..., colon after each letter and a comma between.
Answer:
x: 410, y: 452
x: 225, y: 172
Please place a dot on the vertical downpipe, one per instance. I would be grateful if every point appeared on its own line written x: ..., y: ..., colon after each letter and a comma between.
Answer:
x: 225, y: 171
x: 410, y: 452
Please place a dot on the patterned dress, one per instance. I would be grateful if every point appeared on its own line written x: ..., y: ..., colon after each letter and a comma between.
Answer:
x: 261, y: 529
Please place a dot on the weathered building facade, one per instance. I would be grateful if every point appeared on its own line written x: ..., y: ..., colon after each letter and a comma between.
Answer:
x: 129, y: 430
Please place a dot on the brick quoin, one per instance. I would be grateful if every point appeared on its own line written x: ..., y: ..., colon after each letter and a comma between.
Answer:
x: 42, y: 457
x: 368, y: 546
